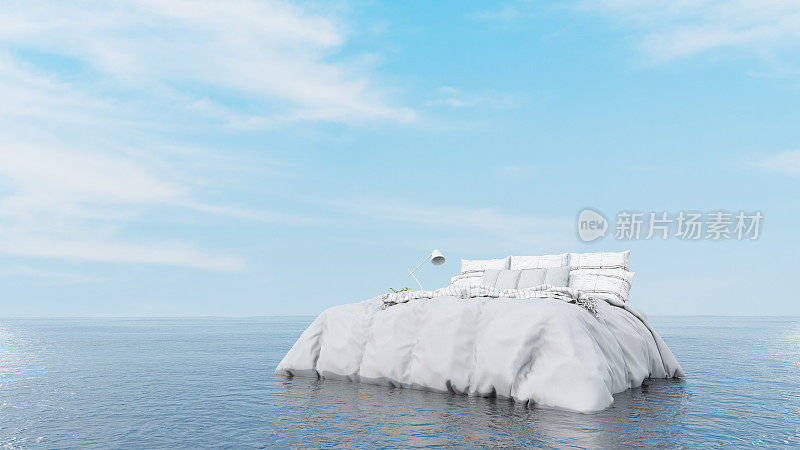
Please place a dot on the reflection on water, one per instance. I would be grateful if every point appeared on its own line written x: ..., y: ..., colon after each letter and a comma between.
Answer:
x: 209, y: 382
x: 332, y: 411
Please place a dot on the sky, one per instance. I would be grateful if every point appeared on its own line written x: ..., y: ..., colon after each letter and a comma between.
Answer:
x: 243, y: 158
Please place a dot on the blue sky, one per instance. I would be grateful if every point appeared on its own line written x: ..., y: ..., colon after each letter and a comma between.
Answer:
x: 169, y: 158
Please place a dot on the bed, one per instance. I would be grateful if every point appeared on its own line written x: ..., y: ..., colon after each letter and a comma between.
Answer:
x: 553, y: 331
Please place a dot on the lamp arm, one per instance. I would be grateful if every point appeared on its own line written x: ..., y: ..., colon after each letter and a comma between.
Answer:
x: 411, y: 272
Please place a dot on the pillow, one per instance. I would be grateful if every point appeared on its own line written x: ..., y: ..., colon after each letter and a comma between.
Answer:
x: 557, y: 276
x: 554, y: 276
x: 608, y: 260
x: 479, y: 265
x: 602, y: 286
x: 526, y: 278
x: 507, y: 279
x: 531, y: 277
x: 538, y: 262
x: 501, y: 279
x: 490, y: 277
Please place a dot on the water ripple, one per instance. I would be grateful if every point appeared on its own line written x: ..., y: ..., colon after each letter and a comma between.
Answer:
x: 209, y: 383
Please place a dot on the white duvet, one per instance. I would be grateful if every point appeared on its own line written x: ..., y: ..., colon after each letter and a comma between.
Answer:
x: 540, y: 350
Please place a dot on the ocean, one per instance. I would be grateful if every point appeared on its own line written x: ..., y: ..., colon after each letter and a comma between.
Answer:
x: 208, y: 382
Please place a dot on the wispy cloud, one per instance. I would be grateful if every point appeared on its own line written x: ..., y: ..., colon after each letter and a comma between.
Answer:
x: 272, y: 57
x: 672, y: 30
x: 67, y: 175
x: 61, y: 278
x: 65, y: 204
x: 90, y: 90
x: 167, y: 253
x: 786, y: 162
x: 493, y: 225
x: 455, y: 98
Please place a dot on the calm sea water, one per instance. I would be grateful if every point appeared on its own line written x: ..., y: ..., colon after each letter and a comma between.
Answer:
x: 209, y: 383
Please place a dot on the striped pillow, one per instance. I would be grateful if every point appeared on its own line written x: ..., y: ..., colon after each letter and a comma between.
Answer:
x: 611, y: 284
x: 607, y: 260
x: 538, y: 262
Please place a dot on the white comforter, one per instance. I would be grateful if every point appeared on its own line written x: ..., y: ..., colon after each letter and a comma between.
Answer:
x: 541, y: 350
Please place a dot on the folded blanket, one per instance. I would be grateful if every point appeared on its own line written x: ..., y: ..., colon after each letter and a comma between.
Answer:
x: 566, y: 294
x: 468, y: 276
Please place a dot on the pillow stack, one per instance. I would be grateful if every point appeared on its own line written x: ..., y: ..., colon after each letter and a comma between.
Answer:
x: 604, y: 276
x: 529, y: 271
x: 601, y: 275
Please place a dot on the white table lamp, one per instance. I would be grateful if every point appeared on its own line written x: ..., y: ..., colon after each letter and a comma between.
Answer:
x: 437, y: 259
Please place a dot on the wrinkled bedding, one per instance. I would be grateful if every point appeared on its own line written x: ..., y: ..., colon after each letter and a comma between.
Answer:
x: 465, y: 291
x: 545, y: 351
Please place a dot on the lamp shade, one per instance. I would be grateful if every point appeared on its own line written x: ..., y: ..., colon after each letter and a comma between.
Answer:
x: 437, y: 258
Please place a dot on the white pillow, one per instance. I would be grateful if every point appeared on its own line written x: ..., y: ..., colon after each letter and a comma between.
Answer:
x: 607, y: 260
x: 538, y: 262
x: 490, y: 277
x: 602, y: 286
x: 531, y: 277
x: 507, y: 279
x: 556, y: 276
x: 479, y: 265
x: 501, y: 279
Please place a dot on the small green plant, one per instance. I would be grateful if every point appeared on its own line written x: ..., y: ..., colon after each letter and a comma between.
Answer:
x: 401, y: 290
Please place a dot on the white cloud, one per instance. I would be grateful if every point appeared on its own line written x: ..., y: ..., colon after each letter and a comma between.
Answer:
x: 786, y: 162
x: 173, y: 254
x: 65, y: 175
x: 671, y: 30
x: 90, y: 89
x: 273, y: 53
x: 54, y: 277
x: 252, y: 215
x: 66, y: 204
